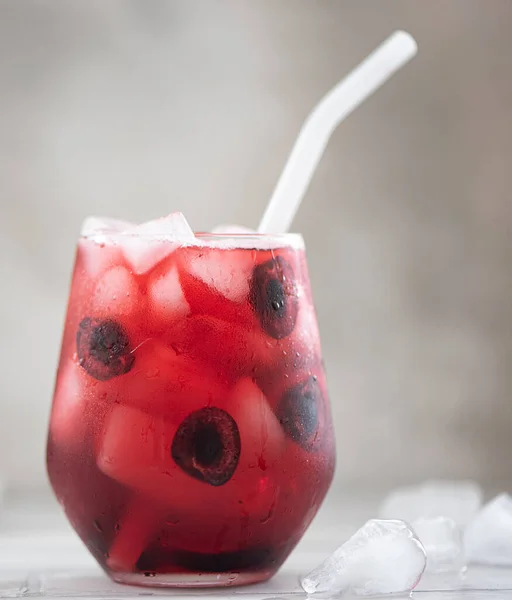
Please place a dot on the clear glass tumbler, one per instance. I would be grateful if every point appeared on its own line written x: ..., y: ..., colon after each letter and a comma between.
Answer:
x: 191, y: 439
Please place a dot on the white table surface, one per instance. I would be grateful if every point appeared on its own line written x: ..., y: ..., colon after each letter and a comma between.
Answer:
x: 41, y: 556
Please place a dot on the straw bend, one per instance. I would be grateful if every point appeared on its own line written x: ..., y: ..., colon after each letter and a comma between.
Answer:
x: 314, y: 135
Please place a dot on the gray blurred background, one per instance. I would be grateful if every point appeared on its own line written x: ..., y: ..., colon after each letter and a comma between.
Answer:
x: 136, y: 108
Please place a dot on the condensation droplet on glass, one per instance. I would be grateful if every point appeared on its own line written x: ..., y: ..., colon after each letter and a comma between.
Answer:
x: 269, y: 515
x: 97, y: 526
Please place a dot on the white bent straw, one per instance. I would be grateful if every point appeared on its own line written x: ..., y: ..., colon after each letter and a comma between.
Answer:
x: 352, y: 91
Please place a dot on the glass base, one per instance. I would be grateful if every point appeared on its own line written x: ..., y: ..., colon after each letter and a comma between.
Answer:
x: 191, y: 580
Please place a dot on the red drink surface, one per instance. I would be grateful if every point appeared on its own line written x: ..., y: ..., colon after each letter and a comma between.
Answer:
x: 190, y: 430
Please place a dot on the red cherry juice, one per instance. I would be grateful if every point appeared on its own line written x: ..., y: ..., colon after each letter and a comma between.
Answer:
x: 190, y: 439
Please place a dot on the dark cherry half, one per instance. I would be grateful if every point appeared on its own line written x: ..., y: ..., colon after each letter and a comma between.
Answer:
x: 273, y: 296
x: 300, y: 411
x: 103, y: 348
x: 207, y: 445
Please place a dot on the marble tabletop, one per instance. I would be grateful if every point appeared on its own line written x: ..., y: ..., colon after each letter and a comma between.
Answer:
x: 41, y: 557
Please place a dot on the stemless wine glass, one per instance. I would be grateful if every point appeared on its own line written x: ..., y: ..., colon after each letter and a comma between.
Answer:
x: 191, y: 440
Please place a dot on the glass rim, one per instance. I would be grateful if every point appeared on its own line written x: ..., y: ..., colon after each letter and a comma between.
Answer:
x: 262, y: 241
x: 246, y: 235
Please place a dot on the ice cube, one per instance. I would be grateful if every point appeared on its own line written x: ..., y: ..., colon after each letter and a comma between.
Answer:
x: 103, y: 228
x: 117, y: 293
x: 148, y: 464
x: 488, y: 537
x: 135, y: 449
x: 94, y: 258
x: 231, y: 351
x: 263, y: 440
x: 226, y: 272
x: 442, y: 540
x: 77, y: 408
x: 167, y: 384
x: 99, y: 251
x: 383, y: 557
x: 67, y: 424
x: 457, y: 500
x: 139, y: 523
x: 146, y: 245
x: 166, y: 295
x: 160, y: 458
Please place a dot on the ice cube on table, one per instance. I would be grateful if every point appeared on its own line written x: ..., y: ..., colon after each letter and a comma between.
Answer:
x: 383, y: 557
x: 145, y: 245
x: 488, y: 537
x: 457, y: 500
x: 442, y: 540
